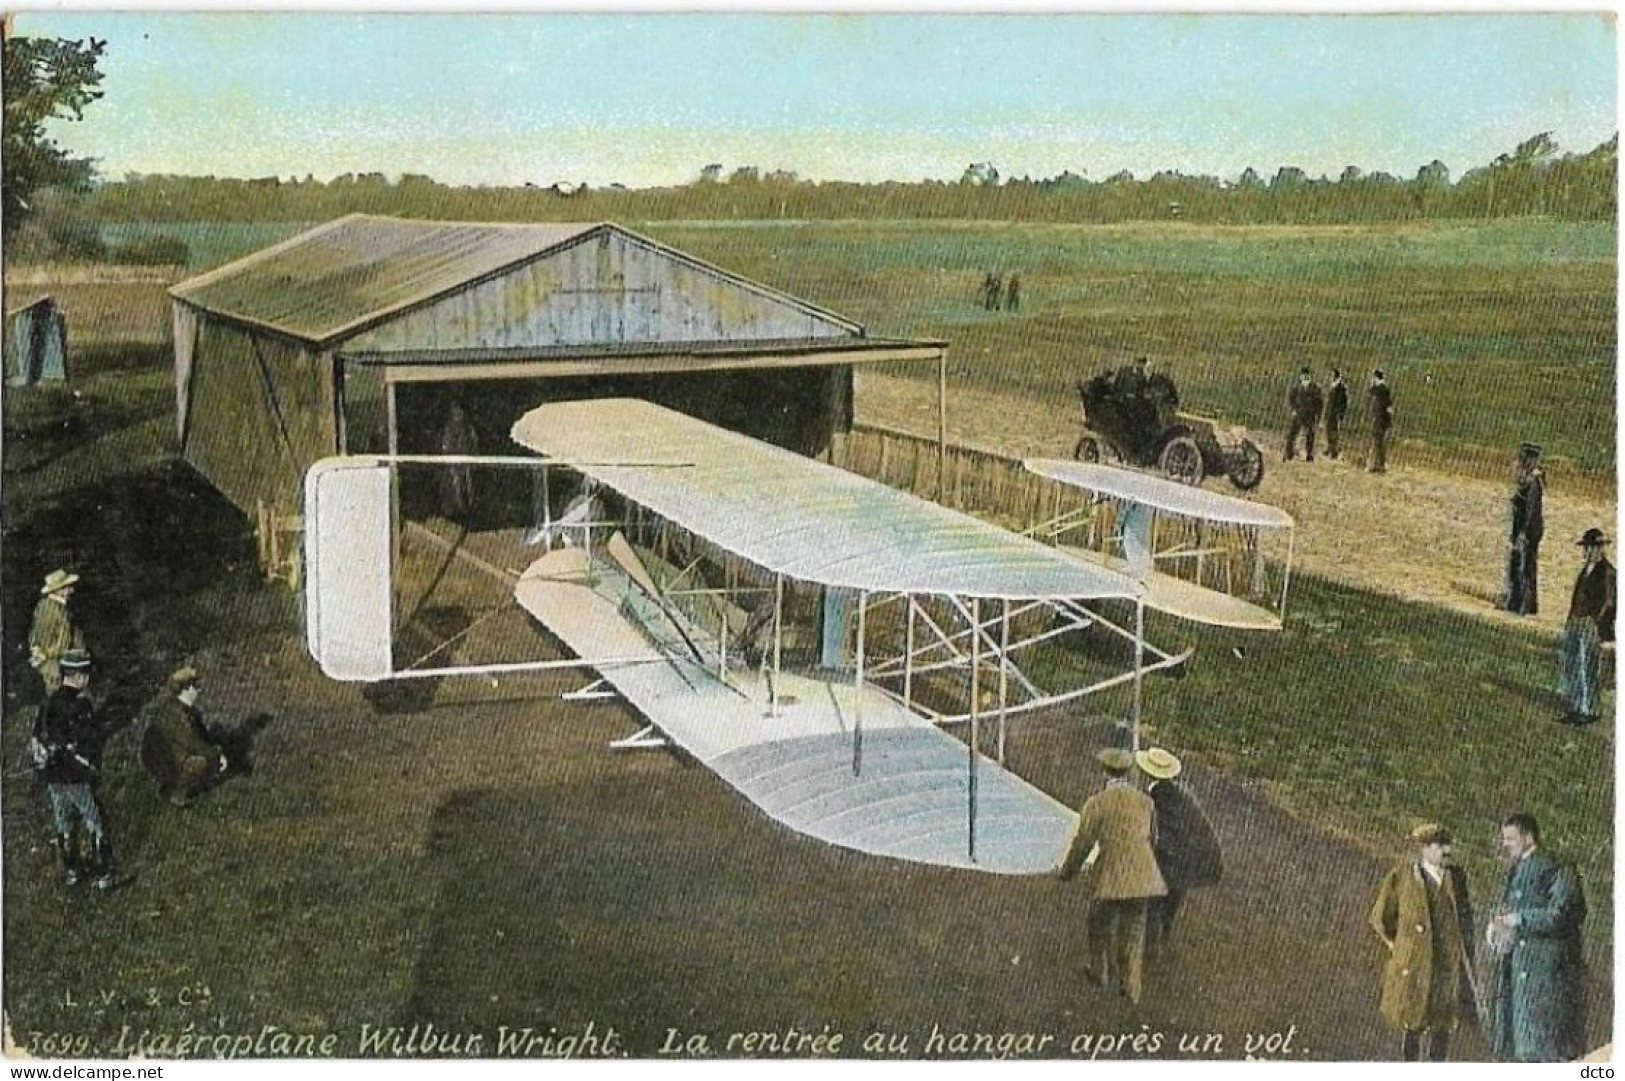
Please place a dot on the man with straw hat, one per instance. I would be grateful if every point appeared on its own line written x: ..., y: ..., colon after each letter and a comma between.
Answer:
x: 1589, y: 629
x: 1115, y: 828
x: 1188, y: 853
x: 1423, y: 915
x: 53, y: 632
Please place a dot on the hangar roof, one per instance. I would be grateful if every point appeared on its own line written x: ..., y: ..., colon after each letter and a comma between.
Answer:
x: 341, y: 278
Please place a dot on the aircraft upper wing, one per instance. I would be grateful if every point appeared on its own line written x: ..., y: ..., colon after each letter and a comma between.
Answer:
x: 800, y: 517
x: 1160, y: 493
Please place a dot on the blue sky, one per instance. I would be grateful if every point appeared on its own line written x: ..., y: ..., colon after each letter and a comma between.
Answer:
x: 649, y: 98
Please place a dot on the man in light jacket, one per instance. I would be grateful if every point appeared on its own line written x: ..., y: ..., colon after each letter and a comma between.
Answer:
x: 1114, y: 842
x: 1424, y: 917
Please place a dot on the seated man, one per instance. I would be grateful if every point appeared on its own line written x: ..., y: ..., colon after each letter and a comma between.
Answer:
x: 184, y: 755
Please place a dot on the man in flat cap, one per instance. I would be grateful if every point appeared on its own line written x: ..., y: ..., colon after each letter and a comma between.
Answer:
x: 1188, y: 853
x: 1590, y: 628
x: 66, y: 748
x: 1528, y: 526
x: 1304, y: 404
x: 1424, y: 918
x: 184, y: 755
x: 1114, y: 841
x: 53, y: 632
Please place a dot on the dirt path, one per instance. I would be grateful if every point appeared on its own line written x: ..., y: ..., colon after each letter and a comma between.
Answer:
x: 1415, y: 533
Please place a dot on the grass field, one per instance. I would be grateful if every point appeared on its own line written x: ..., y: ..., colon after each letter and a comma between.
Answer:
x: 484, y: 861
x: 1491, y: 334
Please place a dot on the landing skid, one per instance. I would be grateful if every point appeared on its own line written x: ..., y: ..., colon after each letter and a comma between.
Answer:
x: 644, y: 739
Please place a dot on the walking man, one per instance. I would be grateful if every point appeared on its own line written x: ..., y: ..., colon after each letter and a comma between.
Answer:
x: 1187, y: 849
x: 1528, y: 526
x: 1379, y: 406
x: 1304, y: 403
x: 67, y: 745
x: 1423, y: 915
x: 1113, y: 843
x: 1012, y: 294
x: 53, y: 632
x: 1537, y: 997
x: 1590, y: 627
x: 1337, y: 407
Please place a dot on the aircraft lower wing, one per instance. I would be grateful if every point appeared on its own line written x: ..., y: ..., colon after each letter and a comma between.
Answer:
x: 1187, y: 600
x: 848, y: 766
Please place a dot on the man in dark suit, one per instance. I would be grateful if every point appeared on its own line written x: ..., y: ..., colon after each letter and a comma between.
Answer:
x: 1589, y: 630
x: 1537, y: 996
x: 1528, y: 527
x: 1423, y: 915
x: 1337, y: 407
x: 66, y: 748
x: 1379, y: 405
x: 1188, y: 853
x: 1304, y: 403
x: 1113, y: 842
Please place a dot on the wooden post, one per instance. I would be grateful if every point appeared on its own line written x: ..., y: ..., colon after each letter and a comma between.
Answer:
x: 942, y: 418
x: 392, y: 418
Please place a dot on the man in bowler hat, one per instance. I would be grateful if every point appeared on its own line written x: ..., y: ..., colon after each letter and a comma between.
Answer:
x: 1528, y: 526
x: 1589, y: 629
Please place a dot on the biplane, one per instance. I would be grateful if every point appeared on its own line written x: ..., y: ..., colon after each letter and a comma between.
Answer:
x: 1198, y: 555
x: 689, y: 590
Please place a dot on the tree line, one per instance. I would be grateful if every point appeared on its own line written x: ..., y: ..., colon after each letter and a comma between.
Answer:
x: 1533, y: 178
x: 55, y: 202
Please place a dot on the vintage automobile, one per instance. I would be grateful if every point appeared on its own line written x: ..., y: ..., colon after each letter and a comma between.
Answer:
x: 1136, y: 421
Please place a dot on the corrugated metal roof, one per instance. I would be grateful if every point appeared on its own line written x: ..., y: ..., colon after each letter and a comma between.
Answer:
x: 1160, y: 493
x: 352, y: 272
x: 800, y: 517
x: 343, y: 277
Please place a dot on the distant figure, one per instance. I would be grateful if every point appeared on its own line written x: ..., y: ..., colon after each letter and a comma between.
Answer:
x: 1423, y: 915
x: 1188, y: 853
x: 1114, y: 844
x: 1590, y: 629
x: 457, y: 437
x: 1304, y: 403
x: 1012, y: 294
x: 1537, y: 993
x: 990, y: 290
x: 1132, y: 380
x: 1379, y: 403
x: 1164, y: 398
x: 53, y: 632
x: 1528, y: 526
x: 66, y: 749
x: 1337, y: 407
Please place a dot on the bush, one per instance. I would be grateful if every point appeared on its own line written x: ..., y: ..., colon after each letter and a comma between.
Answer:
x: 76, y: 239
x: 161, y: 250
